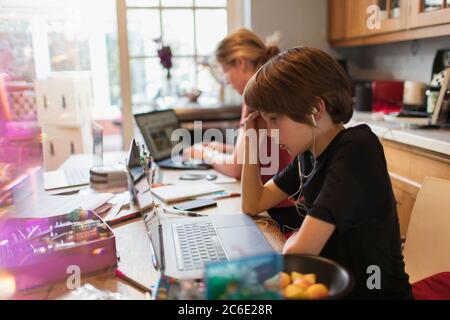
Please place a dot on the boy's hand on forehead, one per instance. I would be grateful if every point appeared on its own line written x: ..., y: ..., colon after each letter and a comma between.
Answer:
x: 250, y: 120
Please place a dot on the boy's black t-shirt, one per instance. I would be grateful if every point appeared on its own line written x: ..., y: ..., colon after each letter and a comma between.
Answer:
x: 350, y: 188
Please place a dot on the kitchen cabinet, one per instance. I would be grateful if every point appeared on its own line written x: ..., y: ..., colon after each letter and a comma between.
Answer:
x: 355, y: 22
x: 429, y: 12
x: 356, y: 18
x: 337, y: 19
x: 408, y: 166
x: 393, y: 14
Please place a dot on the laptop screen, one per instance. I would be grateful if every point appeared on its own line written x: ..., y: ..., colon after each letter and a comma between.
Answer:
x: 156, y: 129
x: 134, y: 166
x: 97, y: 136
x: 441, y: 113
x: 138, y: 182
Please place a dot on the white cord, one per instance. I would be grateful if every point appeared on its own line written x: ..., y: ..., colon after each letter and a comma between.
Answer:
x: 299, y: 205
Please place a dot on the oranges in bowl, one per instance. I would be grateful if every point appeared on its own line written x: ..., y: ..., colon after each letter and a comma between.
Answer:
x: 298, y: 286
x: 311, y: 277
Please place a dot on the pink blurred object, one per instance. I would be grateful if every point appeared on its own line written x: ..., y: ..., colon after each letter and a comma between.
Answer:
x: 387, y: 96
x: 26, y: 254
x: 22, y: 130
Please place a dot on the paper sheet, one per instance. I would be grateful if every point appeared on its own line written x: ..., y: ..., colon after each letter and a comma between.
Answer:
x: 48, y: 206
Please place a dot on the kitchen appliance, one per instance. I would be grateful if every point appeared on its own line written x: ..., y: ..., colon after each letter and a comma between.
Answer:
x: 363, y: 96
x: 387, y: 96
x: 414, y: 96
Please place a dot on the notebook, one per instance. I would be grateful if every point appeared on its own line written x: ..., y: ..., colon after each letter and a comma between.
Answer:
x: 185, y: 191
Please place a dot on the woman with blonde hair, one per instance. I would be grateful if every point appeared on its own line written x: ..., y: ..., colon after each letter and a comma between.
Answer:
x: 240, y: 55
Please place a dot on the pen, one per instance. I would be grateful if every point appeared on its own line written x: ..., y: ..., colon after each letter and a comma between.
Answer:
x: 185, y: 213
x: 152, y: 248
x: 225, y: 195
x: 130, y: 216
x: 136, y: 284
x: 161, y: 243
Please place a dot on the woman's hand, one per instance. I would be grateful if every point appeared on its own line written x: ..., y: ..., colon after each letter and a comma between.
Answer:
x: 218, y: 146
x: 194, y: 152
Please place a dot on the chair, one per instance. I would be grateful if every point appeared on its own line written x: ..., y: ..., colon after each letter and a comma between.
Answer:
x: 427, y: 247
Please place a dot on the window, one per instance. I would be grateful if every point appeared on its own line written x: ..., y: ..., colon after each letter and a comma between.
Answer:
x: 42, y: 36
x: 192, y: 28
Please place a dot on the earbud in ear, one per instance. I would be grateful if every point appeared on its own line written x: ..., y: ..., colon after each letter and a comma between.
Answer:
x: 314, y: 112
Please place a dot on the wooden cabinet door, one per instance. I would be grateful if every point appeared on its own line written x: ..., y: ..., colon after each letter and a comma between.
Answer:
x: 356, y: 13
x: 393, y: 15
x: 337, y: 14
x: 424, y: 13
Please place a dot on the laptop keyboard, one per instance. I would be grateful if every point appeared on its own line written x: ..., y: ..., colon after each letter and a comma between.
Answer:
x: 196, y: 244
x: 76, y: 177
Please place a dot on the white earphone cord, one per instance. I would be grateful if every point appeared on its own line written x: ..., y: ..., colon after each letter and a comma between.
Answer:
x: 298, y: 205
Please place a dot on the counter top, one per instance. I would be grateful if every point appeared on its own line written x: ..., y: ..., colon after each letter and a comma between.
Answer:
x: 436, y: 140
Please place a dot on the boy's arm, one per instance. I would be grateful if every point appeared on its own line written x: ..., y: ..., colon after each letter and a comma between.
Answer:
x: 256, y: 197
x: 311, y: 238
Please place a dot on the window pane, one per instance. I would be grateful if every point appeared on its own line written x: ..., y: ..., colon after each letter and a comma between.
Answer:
x: 69, y: 50
x: 16, y: 49
x: 431, y: 5
x: 211, y: 27
x: 146, y: 80
x: 178, y: 31
x: 211, y: 3
x: 143, y: 27
x: 183, y: 75
x: 142, y: 3
x: 149, y: 83
x: 207, y: 84
x: 176, y: 3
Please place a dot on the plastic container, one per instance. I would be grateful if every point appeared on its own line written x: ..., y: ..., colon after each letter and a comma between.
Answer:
x: 41, y: 251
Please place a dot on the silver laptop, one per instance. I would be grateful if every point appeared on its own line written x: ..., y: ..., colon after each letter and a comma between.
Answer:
x: 59, y: 179
x: 156, y: 129
x: 183, y: 246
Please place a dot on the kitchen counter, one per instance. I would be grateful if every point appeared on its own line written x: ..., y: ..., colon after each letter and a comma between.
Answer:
x: 436, y: 140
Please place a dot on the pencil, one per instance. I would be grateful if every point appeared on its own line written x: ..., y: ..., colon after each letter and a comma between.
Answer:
x: 134, y: 283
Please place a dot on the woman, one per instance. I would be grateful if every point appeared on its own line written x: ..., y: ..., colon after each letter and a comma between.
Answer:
x: 240, y: 54
x: 339, y: 176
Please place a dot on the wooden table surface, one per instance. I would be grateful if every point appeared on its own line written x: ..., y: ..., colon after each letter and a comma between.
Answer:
x: 133, y: 248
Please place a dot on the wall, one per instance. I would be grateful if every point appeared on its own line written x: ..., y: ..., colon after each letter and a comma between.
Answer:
x: 408, y: 60
x: 300, y: 22
x: 304, y: 22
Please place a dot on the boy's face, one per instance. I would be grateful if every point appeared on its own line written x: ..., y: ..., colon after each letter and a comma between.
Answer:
x: 294, y: 137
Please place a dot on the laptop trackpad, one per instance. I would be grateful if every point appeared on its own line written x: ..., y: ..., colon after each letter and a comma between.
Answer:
x: 243, y: 241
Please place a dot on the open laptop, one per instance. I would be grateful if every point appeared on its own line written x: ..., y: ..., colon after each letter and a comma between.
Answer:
x: 183, y: 246
x: 59, y: 179
x: 137, y: 180
x: 156, y: 129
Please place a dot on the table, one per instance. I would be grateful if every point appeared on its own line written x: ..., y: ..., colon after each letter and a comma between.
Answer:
x: 133, y: 247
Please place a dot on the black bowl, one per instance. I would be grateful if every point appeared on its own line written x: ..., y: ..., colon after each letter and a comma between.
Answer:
x: 337, y: 279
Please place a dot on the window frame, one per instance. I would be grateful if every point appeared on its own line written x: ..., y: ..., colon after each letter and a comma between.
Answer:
x: 235, y: 19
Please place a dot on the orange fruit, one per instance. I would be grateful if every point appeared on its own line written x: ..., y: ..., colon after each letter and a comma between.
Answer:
x: 302, y: 283
x: 310, y: 277
x: 294, y: 292
x: 285, y: 279
x: 317, y: 291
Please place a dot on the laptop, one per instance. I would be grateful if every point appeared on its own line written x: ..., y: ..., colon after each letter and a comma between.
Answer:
x: 138, y: 184
x: 183, y: 246
x: 156, y: 129
x: 59, y: 179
